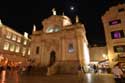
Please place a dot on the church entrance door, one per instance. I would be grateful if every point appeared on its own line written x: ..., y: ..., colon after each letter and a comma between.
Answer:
x: 52, y: 58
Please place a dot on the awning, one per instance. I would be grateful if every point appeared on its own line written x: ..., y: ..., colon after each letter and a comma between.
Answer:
x: 103, y: 61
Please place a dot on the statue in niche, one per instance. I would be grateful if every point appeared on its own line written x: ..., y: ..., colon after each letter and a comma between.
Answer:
x: 70, y: 48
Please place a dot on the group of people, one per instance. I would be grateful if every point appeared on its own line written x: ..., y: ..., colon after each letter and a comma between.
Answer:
x: 116, y: 70
x: 10, y: 67
x: 100, y: 68
x: 118, y: 73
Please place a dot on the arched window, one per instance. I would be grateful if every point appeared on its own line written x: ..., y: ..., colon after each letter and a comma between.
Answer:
x: 55, y: 28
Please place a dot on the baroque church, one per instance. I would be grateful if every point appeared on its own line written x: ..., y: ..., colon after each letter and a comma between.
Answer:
x: 60, y: 46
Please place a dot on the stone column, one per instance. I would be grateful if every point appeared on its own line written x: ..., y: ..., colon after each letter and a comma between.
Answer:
x: 42, y: 55
x: 63, y: 48
x: 80, y: 50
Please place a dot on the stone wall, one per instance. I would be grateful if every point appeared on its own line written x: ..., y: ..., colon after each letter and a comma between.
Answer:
x: 68, y: 67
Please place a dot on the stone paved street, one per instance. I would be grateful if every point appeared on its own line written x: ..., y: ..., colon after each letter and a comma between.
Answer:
x: 13, y: 77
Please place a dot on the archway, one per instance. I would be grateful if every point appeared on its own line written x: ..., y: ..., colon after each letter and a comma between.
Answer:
x: 52, y: 58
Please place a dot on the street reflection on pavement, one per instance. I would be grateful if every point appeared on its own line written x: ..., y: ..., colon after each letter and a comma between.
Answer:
x: 3, y: 76
x: 11, y: 75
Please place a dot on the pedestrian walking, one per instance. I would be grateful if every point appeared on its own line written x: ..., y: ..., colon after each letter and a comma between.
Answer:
x: 95, y: 68
x: 118, y: 74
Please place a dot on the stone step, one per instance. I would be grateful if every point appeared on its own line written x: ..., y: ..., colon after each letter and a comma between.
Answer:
x: 36, y: 71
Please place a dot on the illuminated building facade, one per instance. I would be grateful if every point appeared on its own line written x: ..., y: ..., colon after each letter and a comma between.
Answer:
x: 61, y: 46
x: 114, y: 26
x: 13, y: 46
x: 98, y: 54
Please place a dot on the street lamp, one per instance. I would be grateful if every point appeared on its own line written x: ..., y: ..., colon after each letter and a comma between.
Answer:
x: 105, y: 56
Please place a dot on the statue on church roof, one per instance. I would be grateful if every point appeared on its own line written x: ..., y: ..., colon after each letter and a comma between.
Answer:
x: 77, y: 19
x: 34, y: 28
x: 63, y: 14
x: 54, y: 11
x: 0, y: 22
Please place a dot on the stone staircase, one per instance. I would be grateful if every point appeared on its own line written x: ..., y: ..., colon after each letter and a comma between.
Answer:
x: 53, y: 69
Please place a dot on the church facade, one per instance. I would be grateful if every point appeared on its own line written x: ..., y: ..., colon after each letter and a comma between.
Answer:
x: 60, y: 45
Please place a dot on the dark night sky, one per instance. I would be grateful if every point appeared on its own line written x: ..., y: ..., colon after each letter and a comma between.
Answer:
x: 21, y: 15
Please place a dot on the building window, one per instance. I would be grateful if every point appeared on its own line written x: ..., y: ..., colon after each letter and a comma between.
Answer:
x: 23, y: 51
x: 17, y: 49
x: 25, y: 42
x: 37, y: 50
x: 55, y: 28
x: 6, y: 46
x: 14, y: 37
x: 121, y: 10
x: 19, y: 39
x: 70, y: 48
x: 50, y: 29
x: 29, y: 52
x: 12, y: 47
x: 118, y: 34
x: 114, y: 22
x: 8, y: 35
x: 120, y: 48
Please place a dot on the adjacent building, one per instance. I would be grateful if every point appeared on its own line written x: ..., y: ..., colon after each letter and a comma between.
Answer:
x: 114, y: 27
x: 60, y: 46
x: 98, y: 53
x: 14, y: 47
